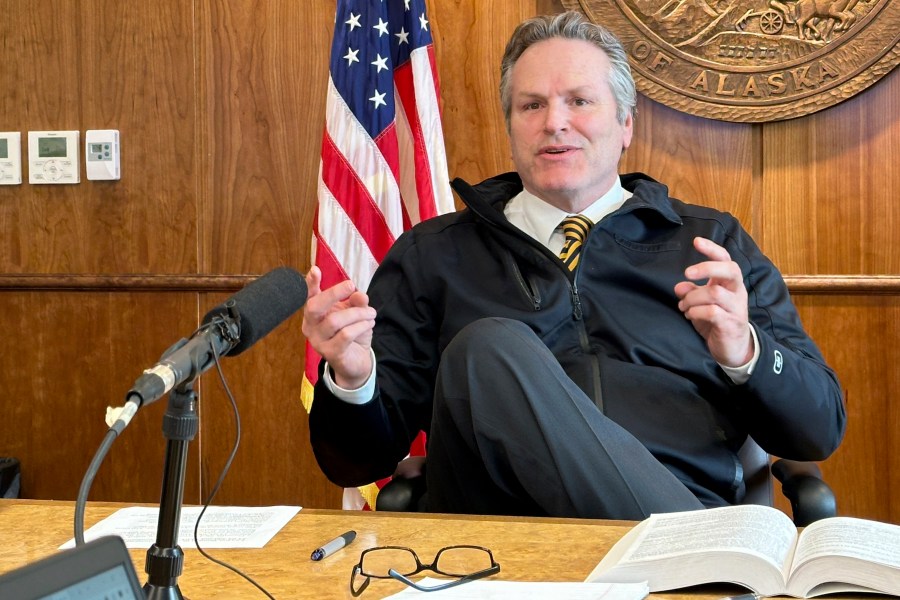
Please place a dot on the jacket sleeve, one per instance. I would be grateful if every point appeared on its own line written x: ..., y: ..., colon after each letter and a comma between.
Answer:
x: 348, y: 439
x: 792, y: 404
x: 358, y: 444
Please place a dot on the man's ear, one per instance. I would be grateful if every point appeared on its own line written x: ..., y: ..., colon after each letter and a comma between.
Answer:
x: 627, y: 131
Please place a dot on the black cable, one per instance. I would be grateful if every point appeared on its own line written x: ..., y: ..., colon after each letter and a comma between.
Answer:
x: 215, y: 490
x: 87, y: 481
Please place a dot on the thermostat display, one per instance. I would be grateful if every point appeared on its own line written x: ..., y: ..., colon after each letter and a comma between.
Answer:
x: 51, y: 147
x: 10, y: 158
x: 102, y: 154
x: 53, y: 157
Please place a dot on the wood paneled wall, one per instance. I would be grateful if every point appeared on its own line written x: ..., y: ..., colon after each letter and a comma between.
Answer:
x: 220, y: 106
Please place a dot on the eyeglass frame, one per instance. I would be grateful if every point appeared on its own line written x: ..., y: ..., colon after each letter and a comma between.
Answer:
x: 392, y: 574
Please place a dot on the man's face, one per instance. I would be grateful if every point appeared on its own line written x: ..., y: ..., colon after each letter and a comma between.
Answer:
x: 565, y: 138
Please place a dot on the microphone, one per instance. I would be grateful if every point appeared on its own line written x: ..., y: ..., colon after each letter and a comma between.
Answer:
x: 228, y: 329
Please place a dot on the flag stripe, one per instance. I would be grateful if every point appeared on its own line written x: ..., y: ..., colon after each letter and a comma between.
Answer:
x: 359, y: 157
x: 352, y: 258
x: 347, y: 191
x: 419, y: 93
x: 428, y: 86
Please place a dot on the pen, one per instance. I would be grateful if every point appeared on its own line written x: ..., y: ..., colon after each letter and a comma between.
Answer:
x: 333, y: 546
x: 745, y: 597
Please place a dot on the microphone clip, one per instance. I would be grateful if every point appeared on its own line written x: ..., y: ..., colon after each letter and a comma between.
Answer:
x: 228, y: 324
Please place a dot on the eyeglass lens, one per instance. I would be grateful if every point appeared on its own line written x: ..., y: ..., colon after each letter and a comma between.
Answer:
x: 460, y: 561
x: 377, y: 562
x: 455, y: 561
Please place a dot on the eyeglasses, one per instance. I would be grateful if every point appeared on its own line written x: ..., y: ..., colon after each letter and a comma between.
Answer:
x: 467, y: 563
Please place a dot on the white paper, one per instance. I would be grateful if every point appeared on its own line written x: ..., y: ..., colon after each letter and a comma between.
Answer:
x: 220, y: 527
x: 484, y: 589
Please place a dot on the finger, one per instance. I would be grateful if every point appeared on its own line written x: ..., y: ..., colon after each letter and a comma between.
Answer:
x: 710, y: 249
x: 358, y: 298
x: 343, y: 339
x: 335, y: 322
x: 683, y: 288
x: 710, y: 296
x: 313, y: 281
x: 351, y: 332
x: 325, y: 301
x: 716, y: 272
x: 707, y: 314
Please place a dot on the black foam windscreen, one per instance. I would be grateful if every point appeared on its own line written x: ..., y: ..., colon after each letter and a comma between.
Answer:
x: 263, y: 305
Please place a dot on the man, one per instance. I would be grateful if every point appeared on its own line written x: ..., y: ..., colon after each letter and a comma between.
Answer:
x: 615, y: 383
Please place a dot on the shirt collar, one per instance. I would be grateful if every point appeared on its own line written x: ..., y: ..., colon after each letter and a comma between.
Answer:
x: 540, y: 219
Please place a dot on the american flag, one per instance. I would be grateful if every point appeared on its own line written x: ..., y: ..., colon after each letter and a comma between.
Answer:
x: 383, y: 164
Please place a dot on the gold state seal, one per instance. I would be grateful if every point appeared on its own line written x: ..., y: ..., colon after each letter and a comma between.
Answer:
x: 752, y: 60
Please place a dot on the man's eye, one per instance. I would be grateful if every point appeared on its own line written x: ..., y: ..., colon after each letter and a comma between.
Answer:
x: 580, y: 102
x: 532, y: 106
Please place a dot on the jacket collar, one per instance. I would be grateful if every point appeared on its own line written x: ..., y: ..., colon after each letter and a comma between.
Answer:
x: 649, y: 194
x: 488, y: 198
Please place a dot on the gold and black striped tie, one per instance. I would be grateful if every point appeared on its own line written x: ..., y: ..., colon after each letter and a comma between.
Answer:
x: 575, y: 228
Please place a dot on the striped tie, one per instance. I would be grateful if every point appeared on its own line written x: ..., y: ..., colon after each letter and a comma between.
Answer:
x: 575, y: 228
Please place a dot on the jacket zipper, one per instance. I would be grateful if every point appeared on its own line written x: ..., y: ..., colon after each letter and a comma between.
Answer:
x: 530, y: 290
x: 576, y: 301
x: 578, y: 315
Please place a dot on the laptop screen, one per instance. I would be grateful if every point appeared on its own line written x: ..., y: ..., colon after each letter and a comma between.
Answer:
x: 99, y: 570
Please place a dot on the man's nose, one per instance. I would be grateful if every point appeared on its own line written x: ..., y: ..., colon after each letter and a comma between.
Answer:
x: 556, y: 118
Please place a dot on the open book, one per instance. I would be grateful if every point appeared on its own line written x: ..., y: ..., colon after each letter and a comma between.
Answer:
x: 757, y: 547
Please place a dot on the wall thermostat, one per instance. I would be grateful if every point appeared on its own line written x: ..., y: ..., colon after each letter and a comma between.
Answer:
x: 53, y: 157
x: 10, y: 158
x: 101, y: 154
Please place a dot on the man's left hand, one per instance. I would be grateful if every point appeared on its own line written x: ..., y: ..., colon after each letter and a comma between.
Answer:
x: 718, y: 308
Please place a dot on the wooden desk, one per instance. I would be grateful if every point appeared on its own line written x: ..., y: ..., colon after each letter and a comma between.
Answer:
x: 528, y: 549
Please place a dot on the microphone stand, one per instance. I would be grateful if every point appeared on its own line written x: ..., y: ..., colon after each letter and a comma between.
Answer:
x: 165, y: 558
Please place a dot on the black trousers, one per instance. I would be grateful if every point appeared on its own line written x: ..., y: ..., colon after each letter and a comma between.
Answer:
x: 512, y: 434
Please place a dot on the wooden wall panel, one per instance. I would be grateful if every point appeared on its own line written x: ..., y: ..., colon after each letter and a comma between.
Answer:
x: 702, y: 161
x: 102, y: 64
x: 264, y: 76
x: 860, y: 339
x: 830, y: 181
x: 72, y: 355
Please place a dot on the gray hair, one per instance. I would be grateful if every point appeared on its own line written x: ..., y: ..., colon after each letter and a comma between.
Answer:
x: 570, y: 25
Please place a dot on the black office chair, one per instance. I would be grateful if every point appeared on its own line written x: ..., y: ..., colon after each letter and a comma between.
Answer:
x: 811, y: 498
x: 801, y: 483
x: 10, y: 477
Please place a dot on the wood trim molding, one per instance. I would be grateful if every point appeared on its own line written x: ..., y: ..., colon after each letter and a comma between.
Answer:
x: 797, y: 284
x: 843, y: 284
x: 125, y: 283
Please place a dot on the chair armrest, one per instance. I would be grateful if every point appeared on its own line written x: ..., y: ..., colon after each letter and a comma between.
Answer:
x: 406, y: 490
x: 802, y: 484
x: 402, y: 494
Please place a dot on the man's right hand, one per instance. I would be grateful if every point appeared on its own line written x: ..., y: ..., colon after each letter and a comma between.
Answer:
x: 338, y: 323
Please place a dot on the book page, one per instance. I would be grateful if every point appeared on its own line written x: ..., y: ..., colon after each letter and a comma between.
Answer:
x: 762, y: 531
x: 845, y: 536
x: 748, y: 545
x: 843, y: 554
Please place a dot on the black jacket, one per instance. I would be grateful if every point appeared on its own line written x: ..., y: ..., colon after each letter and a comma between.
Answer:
x: 614, y: 326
